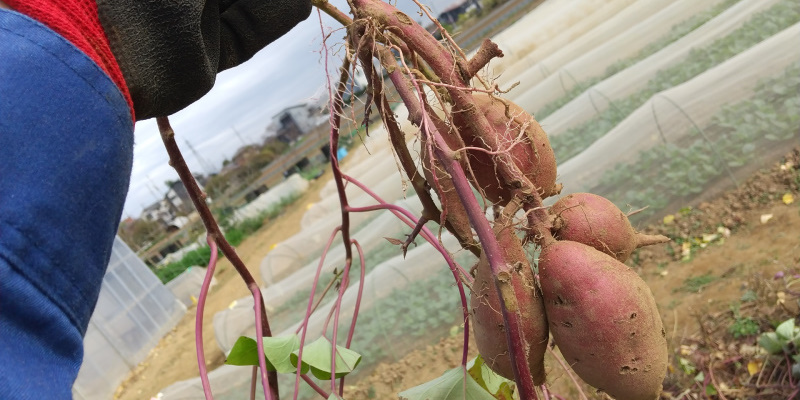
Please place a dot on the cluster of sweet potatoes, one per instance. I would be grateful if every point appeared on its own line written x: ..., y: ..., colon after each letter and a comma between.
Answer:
x: 600, y: 313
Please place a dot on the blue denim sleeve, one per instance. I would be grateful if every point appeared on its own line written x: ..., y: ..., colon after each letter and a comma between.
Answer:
x: 66, y: 148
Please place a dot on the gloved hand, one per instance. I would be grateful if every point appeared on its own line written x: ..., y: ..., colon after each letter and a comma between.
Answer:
x: 171, y: 50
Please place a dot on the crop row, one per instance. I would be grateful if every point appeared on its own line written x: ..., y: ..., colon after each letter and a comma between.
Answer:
x: 678, y: 31
x: 760, y: 27
x: 294, y: 308
x: 422, y: 311
x: 735, y: 135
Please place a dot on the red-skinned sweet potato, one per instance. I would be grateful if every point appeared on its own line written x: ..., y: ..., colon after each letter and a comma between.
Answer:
x: 487, y: 319
x: 604, y: 319
x: 530, y: 149
x: 595, y: 221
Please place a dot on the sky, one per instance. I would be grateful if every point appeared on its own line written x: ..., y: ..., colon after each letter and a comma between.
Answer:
x: 238, y: 109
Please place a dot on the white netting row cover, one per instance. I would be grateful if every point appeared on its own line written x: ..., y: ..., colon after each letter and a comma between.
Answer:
x: 636, y: 77
x: 547, y: 21
x: 234, y: 322
x: 536, y: 66
x: 625, y: 44
x: 551, y: 34
x: 689, y: 138
x: 133, y: 312
x: 293, y: 186
x: 187, y: 285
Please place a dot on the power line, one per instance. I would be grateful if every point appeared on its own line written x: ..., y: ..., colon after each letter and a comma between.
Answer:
x: 205, y: 165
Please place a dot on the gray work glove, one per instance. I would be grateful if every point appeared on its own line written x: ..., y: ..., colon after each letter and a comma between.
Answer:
x: 170, y: 51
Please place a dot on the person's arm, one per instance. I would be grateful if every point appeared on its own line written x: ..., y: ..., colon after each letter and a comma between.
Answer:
x: 66, y: 148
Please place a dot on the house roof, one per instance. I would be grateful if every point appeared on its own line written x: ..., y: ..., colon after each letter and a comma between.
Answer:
x: 289, y: 108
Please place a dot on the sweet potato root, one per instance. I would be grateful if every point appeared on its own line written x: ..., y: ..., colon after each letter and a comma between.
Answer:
x: 595, y: 221
x: 521, y: 137
x: 487, y: 320
x: 604, y: 319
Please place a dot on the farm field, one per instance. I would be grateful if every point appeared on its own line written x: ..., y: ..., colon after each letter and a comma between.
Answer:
x: 684, y: 114
x: 748, y: 260
x: 703, y: 298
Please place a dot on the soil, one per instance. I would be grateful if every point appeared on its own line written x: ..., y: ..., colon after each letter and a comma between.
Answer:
x: 695, y: 295
x: 695, y: 291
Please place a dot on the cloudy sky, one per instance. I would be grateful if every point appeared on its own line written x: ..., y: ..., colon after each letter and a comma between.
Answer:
x: 287, y: 72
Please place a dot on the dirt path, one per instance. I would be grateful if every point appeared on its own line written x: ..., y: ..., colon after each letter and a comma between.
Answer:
x: 174, y: 358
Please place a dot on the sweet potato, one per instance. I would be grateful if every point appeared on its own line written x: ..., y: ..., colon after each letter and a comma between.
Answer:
x: 487, y: 320
x: 595, y: 221
x: 604, y: 319
x: 530, y: 149
x: 441, y: 182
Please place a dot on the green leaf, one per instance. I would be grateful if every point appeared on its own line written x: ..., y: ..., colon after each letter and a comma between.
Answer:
x: 454, y: 384
x: 277, y: 350
x: 700, y: 377
x: 770, y: 342
x: 710, y: 390
x: 244, y: 352
x: 317, y: 357
x: 489, y: 379
x: 786, y: 329
x: 506, y: 391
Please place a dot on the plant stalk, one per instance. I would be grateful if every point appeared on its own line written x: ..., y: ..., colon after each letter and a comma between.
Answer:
x: 198, y: 197
x: 501, y: 270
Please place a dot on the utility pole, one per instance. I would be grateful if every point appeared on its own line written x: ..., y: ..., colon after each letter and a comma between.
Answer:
x: 239, y: 136
x: 152, y: 187
x: 205, y: 165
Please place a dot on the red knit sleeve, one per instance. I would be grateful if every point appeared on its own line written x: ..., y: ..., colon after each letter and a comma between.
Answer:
x: 78, y: 22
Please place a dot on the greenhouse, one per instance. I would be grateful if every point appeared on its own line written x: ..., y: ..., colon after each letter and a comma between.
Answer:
x: 133, y: 312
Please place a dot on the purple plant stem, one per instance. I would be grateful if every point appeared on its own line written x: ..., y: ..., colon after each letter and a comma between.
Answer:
x: 568, y: 371
x: 336, y: 109
x: 304, y: 326
x: 198, y: 197
x: 253, y: 383
x: 360, y: 293
x: 317, y: 276
x: 337, y: 308
x: 499, y: 266
x: 454, y: 267
x: 357, y: 307
x: 409, y: 219
x: 545, y: 392
x: 335, y: 118
x: 198, y: 321
x: 314, y: 386
x: 501, y: 271
x: 262, y: 361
